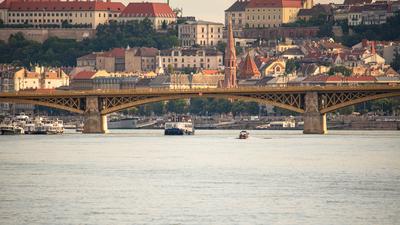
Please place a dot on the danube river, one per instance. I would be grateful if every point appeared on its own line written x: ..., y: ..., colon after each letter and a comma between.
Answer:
x: 143, y: 177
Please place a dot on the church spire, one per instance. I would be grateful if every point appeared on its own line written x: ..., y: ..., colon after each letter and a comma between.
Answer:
x: 230, y: 59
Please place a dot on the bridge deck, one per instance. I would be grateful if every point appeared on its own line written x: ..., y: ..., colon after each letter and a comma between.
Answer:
x: 166, y: 91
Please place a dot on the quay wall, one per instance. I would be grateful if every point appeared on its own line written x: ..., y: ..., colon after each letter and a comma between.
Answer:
x: 41, y: 35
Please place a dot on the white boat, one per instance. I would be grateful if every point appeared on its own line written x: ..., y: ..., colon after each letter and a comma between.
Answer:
x: 11, y: 130
x: 179, y: 128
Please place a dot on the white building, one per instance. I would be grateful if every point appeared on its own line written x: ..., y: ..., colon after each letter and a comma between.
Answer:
x: 201, y: 33
x: 180, y: 58
x: 158, y: 13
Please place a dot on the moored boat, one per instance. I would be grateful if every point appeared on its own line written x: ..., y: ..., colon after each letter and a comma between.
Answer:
x: 179, y: 126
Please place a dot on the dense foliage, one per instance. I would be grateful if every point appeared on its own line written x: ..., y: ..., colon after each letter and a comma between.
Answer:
x: 63, y: 52
x: 340, y: 69
x: 320, y: 21
x: 396, y: 62
x: 199, y: 106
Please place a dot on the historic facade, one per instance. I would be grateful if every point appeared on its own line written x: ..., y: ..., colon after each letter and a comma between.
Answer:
x: 201, y: 33
x: 196, y: 58
x: 57, y: 12
x: 160, y: 14
x: 264, y: 13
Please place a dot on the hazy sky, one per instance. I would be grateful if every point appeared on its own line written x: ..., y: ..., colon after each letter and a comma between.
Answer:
x: 212, y: 10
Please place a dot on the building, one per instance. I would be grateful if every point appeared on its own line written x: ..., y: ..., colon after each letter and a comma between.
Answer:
x: 230, y: 80
x: 141, y: 59
x: 248, y: 69
x: 271, y: 13
x: 371, y: 14
x: 6, y: 85
x: 293, y: 53
x: 237, y: 13
x: 195, y: 58
x: 46, y: 13
x: 110, y: 61
x: 316, y: 11
x: 187, y: 81
x: 386, y: 49
x: 263, y: 13
x: 160, y: 14
x: 201, y: 33
x: 273, y: 68
x: 40, y: 78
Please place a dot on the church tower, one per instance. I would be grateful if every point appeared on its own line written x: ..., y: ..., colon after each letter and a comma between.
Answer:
x: 230, y: 59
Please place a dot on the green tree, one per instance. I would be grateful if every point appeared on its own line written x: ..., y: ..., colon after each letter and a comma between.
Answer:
x: 340, y: 69
x: 164, y: 25
x: 177, y: 106
x: 396, y: 61
x: 291, y: 66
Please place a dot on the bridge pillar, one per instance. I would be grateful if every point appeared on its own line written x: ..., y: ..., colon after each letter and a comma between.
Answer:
x: 314, y: 120
x: 94, y: 122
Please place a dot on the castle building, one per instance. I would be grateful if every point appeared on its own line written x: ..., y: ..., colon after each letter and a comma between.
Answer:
x: 41, y: 13
x: 160, y: 14
x: 264, y: 13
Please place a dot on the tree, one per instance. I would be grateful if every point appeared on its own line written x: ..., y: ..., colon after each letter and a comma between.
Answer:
x: 396, y: 61
x: 291, y: 66
x: 347, y: 110
x: 63, y: 52
x: 164, y: 25
x: 177, y: 106
x: 340, y: 69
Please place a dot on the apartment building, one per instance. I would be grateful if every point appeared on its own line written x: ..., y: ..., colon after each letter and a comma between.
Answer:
x: 181, y: 58
x: 201, y: 33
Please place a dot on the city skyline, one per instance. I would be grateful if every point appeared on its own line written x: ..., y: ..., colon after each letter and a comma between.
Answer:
x: 200, y: 9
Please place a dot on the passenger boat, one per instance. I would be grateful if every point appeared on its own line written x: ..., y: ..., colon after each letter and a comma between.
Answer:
x: 244, y: 135
x: 180, y: 126
x: 11, y: 130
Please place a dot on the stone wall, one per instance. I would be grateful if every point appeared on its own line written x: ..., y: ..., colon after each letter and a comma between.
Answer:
x: 287, y: 32
x: 40, y: 35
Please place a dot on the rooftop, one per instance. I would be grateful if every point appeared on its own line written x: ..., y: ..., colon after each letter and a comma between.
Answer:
x: 148, y: 9
x: 238, y: 6
x: 57, y: 5
x: 275, y: 4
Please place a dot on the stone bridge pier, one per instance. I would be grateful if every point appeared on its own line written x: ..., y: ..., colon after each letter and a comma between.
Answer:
x: 314, y: 120
x: 94, y: 121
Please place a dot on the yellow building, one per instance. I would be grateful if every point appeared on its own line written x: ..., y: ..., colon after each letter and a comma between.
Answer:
x: 40, y: 78
x: 271, y: 13
x: 56, y: 12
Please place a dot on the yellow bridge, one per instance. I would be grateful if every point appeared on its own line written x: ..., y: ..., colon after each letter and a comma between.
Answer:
x: 312, y: 101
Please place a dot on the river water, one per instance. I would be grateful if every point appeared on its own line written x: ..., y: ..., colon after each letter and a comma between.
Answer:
x: 143, y: 177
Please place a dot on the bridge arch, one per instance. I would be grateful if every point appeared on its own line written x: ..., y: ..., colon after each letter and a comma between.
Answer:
x: 190, y: 96
x: 56, y: 104
x: 332, y: 108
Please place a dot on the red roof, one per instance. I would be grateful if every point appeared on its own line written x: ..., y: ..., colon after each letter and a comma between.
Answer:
x: 148, y: 9
x: 56, y: 5
x: 210, y: 72
x: 249, y: 68
x: 115, y: 52
x: 275, y: 4
x: 84, y: 75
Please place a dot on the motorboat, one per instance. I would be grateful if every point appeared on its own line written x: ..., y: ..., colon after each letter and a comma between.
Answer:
x: 244, y: 134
